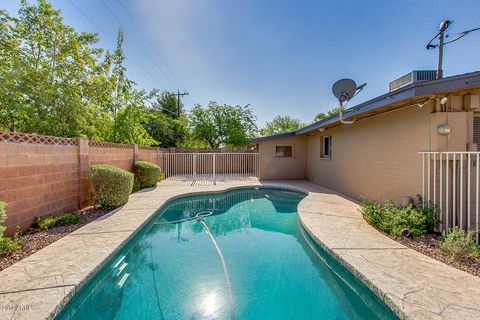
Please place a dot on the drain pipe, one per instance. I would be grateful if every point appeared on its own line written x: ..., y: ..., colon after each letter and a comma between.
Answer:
x: 342, y: 119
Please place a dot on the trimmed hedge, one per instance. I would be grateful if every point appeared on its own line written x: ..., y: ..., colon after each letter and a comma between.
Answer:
x: 112, y: 185
x: 147, y: 174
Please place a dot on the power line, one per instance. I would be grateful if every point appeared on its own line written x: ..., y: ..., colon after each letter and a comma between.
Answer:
x: 85, y: 15
x: 155, y: 63
x: 155, y: 50
x: 101, y: 30
x: 111, y: 12
x: 125, y: 8
x: 153, y: 47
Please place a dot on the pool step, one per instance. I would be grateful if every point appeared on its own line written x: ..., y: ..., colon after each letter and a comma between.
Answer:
x: 122, y: 280
x: 118, y: 262
x: 120, y: 269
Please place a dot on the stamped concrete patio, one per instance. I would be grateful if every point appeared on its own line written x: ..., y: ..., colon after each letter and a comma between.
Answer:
x: 411, y: 284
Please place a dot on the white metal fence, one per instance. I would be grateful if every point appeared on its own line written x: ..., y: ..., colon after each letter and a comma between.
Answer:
x: 451, y: 181
x: 213, y: 166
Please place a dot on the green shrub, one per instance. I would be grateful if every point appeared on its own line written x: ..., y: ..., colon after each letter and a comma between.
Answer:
x: 161, y: 177
x: 431, y: 211
x: 44, y: 223
x: 7, y: 245
x: 111, y: 185
x: 459, y: 245
x: 3, y: 216
x: 417, y: 219
x: 147, y: 174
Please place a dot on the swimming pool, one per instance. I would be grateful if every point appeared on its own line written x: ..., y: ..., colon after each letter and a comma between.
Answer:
x: 172, y: 270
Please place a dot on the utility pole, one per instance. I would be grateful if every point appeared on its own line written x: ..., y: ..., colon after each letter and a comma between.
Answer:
x: 179, y: 103
x: 441, y: 42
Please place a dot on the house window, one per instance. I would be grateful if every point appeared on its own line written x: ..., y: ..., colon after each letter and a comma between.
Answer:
x: 284, y: 151
x: 476, y: 131
x: 326, y: 147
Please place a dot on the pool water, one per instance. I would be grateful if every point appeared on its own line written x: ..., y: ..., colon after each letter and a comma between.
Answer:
x: 172, y: 270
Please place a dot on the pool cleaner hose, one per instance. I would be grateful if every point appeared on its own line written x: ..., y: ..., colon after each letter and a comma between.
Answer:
x: 200, y: 219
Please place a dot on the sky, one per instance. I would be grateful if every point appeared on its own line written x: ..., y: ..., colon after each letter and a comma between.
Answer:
x: 281, y: 57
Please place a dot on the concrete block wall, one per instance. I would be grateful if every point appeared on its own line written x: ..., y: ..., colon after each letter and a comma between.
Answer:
x: 42, y: 176
x: 37, y: 180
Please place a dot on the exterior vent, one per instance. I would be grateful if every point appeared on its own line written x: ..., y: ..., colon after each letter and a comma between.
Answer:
x: 412, y: 77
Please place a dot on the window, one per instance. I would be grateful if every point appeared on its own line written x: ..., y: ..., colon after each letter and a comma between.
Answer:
x: 476, y: 131
x: 284, y: 151
x: 326, y: 147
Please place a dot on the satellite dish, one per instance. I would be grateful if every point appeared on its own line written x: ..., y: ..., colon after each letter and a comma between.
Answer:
x: 344, y: 89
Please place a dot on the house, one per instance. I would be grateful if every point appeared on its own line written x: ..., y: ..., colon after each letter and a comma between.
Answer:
x: 377, y: 156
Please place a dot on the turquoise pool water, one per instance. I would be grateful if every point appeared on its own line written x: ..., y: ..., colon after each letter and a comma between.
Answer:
x: 172, y: 270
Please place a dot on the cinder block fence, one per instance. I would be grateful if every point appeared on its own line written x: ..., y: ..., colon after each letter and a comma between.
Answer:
x: 43, y: 175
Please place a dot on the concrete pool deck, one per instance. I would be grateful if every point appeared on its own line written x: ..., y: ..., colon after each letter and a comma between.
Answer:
x: 413, y: 285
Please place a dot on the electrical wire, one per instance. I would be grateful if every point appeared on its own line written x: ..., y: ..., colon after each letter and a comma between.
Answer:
x: 155, y: 50
x: 111, y: 12
x: 85, y: 15
x: 153, y: 47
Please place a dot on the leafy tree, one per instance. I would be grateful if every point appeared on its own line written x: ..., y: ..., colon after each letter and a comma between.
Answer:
x: 169, y: 132
x: 52, y: 80
x: 128, y: 104
x: 167, y: 103
x: 221, y: 125
x: 281, y: 124
x: 128, y: 124
x: 329, y: 113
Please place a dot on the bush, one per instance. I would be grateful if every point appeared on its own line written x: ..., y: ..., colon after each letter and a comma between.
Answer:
x: 430, y: 211
x: 111, y: 185
x: 7, y: 245
x: 3, y: 216
x: 394, y: 220
x: 147, y: 174
x: 44, y: 223
x: 459, y: 245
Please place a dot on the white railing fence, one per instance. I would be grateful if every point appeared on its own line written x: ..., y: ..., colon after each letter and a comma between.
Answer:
x: 213, y: 166
x: 451, y: 181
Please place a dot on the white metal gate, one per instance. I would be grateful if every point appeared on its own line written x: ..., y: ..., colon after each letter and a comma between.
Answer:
x: 451, y: 181
x: 215, y: 166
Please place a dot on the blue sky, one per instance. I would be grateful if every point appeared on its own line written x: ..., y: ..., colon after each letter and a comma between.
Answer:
x: 280, y: 56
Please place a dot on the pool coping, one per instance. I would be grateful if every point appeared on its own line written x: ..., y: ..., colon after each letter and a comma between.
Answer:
x: 413, y: 285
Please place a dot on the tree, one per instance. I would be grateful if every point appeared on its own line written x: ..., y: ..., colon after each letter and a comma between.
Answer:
x: 130, y: 113
x: 322, y: 115
x: 221, y: 125
x: 281, y: 124
x: 169, y: 132
x: 52, y: 80
x: 167, y: 103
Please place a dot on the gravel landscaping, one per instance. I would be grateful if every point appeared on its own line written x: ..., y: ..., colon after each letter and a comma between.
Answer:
x: 427, y: 244
x: 32, y: 242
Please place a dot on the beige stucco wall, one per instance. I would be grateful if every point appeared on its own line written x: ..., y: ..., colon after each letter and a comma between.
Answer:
x: 275, y: 168
x: 376, y: 157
